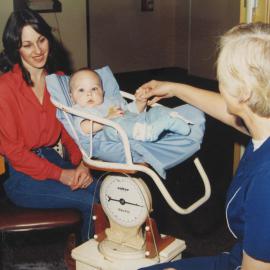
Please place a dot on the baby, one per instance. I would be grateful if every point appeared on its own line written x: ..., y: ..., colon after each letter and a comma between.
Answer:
x: 88, y: 96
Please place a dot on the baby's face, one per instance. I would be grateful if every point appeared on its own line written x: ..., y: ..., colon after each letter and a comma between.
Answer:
x: 86, y: 89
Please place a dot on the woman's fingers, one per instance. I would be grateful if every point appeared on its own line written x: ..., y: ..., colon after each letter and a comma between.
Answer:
x: 82, y: 179
x: 156, y: 90
x: 87, y: 181
x: 150, y: 85
x: 67, y: 177
x: 153, y: 101
x: 78, y: 178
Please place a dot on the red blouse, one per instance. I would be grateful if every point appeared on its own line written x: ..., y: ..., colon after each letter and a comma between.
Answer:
x: 26, y: 124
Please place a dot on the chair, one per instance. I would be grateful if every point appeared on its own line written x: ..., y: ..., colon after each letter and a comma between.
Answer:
x: 111, y: 156
x: 14, y: 219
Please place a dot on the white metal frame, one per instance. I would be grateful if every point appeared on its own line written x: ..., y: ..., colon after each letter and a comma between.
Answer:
x: 129, y: 165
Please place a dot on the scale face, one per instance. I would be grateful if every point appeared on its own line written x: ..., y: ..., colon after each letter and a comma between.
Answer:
x: 125, y: 200
x: 124, y: 245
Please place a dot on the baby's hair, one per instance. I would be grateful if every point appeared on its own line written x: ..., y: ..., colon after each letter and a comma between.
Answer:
x: 83, y: 69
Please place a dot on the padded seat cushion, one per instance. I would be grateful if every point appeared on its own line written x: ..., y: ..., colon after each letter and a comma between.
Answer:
x: 14, y: 218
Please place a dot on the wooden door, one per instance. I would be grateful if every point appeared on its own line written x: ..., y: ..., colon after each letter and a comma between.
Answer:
x: 251, y: 11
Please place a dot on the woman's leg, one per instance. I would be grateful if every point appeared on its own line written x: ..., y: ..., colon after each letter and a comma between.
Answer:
x: 25, y: 191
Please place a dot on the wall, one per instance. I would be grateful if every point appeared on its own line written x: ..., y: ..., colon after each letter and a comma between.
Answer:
x: 176, y: 34
x: 259, y: 14
x: 70, y: 25
x: 6, y: 7
x: 181, y: 36
x: 208, y: 20
x: 128, y: 39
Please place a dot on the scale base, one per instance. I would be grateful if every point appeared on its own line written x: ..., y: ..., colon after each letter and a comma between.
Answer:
x: 88, y: 256
x: 113, y: 251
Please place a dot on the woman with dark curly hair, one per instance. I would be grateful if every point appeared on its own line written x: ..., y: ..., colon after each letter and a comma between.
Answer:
x: 38, y: 176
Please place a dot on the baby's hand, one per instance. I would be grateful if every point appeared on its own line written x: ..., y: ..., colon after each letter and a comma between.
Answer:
x: 114, y: 112
x: 141, y: 93
x: 141, y: 98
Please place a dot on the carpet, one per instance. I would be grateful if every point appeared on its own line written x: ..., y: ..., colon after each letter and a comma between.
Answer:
x: 36, y: 266
x: 35, y: 250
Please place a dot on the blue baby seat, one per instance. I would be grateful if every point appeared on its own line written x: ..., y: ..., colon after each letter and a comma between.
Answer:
x: 171, y: 149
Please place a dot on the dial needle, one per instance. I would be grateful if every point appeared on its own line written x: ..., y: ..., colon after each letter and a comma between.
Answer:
x: 122, y: 201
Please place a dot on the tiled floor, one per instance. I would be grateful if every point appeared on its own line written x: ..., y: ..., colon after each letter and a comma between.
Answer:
x: 204, y: 230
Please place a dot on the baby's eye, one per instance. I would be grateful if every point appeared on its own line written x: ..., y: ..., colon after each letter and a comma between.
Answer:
x: 81, y: 90
x: 94, y: 88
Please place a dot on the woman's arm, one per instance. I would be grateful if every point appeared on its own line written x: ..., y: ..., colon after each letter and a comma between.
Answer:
x: 12, y: 143
x: 210, y: 102
x: 250, y: 263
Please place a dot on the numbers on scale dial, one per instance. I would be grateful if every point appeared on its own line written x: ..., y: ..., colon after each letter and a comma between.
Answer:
x: 124, y: 201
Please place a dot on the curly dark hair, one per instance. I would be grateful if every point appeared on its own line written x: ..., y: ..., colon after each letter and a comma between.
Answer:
x: 12, y: 43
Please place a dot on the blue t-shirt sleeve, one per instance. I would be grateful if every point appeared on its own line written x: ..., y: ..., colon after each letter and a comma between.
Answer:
x: 256, y: 242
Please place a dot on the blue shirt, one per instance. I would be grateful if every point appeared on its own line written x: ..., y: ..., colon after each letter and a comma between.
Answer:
x: 248, y: 202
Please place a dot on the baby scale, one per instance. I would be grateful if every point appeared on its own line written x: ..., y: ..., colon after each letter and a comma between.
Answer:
x: 126, y: 238
x: 125, y: 235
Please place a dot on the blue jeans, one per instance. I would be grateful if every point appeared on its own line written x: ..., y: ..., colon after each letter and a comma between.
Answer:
x: 25, y: 191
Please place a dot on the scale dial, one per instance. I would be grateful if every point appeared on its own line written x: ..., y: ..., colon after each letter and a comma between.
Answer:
x: 125, y: 200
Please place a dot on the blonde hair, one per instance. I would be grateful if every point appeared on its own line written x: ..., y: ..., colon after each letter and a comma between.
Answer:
x: 81, y: 70
x: 243, y: 65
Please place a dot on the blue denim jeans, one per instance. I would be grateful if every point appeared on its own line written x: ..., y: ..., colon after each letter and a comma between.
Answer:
x: 25, y: 191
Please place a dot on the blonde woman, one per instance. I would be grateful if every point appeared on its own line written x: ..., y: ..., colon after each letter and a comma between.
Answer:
x: 243, y: 70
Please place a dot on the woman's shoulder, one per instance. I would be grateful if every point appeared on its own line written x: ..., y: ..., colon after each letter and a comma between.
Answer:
x: 260, y: 177
x: 14, y: 73
x: 6, y: 79
x: 10, y: 80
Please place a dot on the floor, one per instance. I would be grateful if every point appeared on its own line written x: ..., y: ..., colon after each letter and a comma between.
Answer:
x: 35, y: 251
x: 204, y: 231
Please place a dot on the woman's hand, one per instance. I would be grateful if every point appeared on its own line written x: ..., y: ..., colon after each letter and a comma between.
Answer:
x: 67, y: 177
x: 250, y: 263
x: 76, y: 178
x: 156, y: 89
x: 82, y: 177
